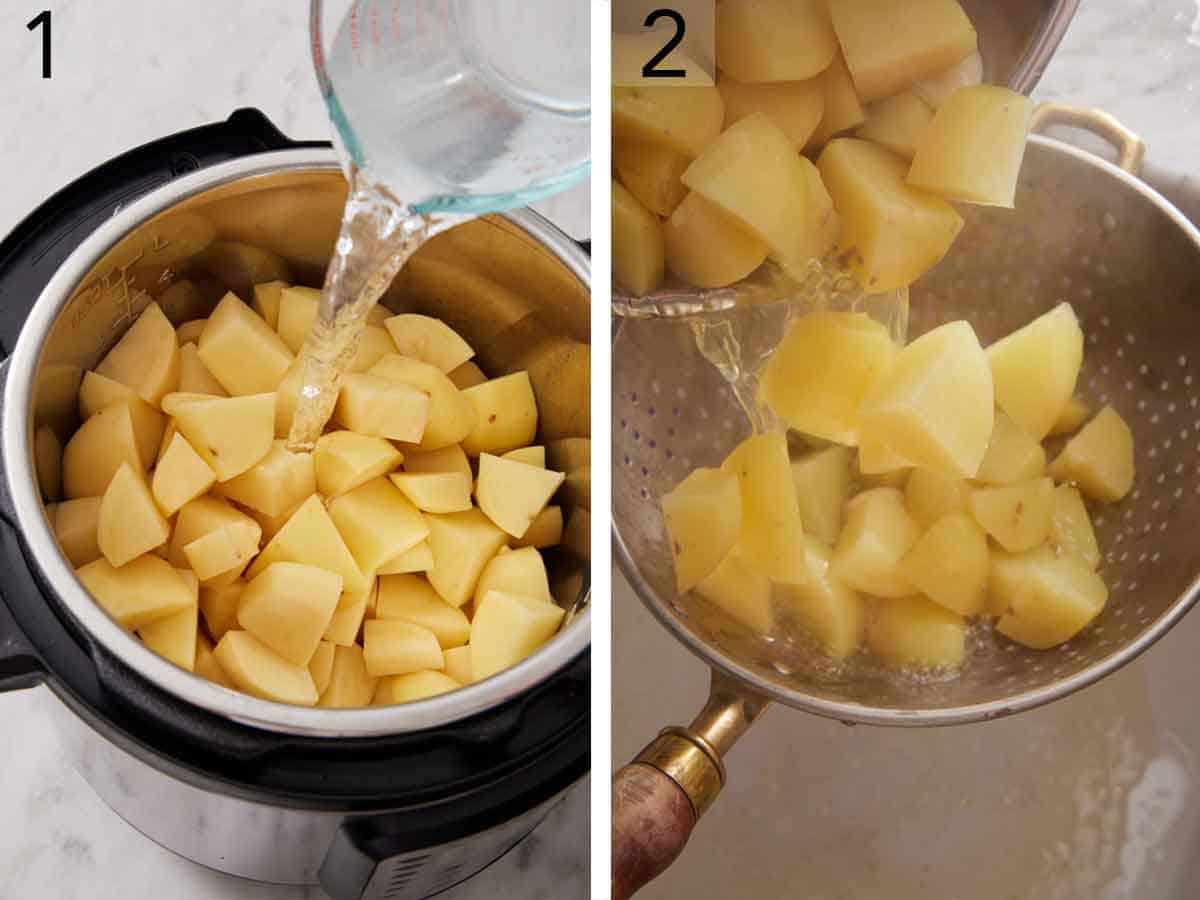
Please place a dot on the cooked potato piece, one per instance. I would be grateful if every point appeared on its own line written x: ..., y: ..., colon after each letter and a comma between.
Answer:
x: 174, y: 637
x: 913, y: 631
x: 638, y: 249
x: 1074, y: 414
x: 412, y: 599
x: 96, y: 392
x: 467, y: 375
x: 146, y: 358
x: 197, y: 518
x: 934, y: 405
x: 708, y: 248
x: 651, y: 173
x: 288, y: 606
x: 507, y: 628
x: 130, y: 523
x: 1099, y: 459
x: 1035, y: 369
x: 429, y: 340
x: 414, y: 686
x: 796, y: 106
x: 140, y: 592
x: 345, y: 459
x: 1045, y: 600
x: 396, y: 647
x: 520, y: 572
x: 231, y: 434
x: 462, y: 544
x: 703, y: 517
x: 435, y: 492
x: 1071, y: 527
x: 531, y: 456
x: 888, y: 46
x: 287, y: 398
x: 448, y: 459
x: 219, y: 606
x: 206, y: 665
x: 843, y: 109
x: 1017, y: 516
x: 877, y: 535
x: 682, y: 119
x: 258, y: 670
x: 879, y: 465
x: 310, y: 537
x: 321, y: 665
x: 512, y: 494
x: 458, y: 664
x: 271, y: 524
x: 741, y: 591
x: 898, y: 122
x: 382, y: 407
x: 241, y: 266
x: 350, y: 684
x: 266, y: 301
x: 373, y: 345
x: 823, y: 368
x: 416, y: 559
x: 506, y: 415
x: 891, y: 233
x: 348, y: 617
x: 451, y: 416
x: 936, y: 88
x: 77, y: 527
x: 241, y: 351
x: 930, y: 494
x: 823, y: 226
x: 822, y: 481
x: 297, y: 311
x: 828, y: 611
x: 546, y: 530
x: 377, y: 523
x: 280, y: 481
x: 47, y: 456
x: 189, y: 332
x: 972, y: 151
x: 180, y: 476
x: 194, y: 377
x: 103, y: 444
x: 1012, y: 455
x: 774, y: 40
x: 219, y: 556
x: 949, y: 564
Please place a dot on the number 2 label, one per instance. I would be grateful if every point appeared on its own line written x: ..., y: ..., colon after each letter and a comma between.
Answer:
x: 650, y: 69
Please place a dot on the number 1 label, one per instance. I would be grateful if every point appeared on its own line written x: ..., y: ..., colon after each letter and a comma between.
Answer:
x: 42, y: 20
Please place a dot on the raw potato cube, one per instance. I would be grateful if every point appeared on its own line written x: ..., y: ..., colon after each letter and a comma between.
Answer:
x: 458, y: 664
x: 1017, y: 516
x: 139, y: 592
x: 310, y: 537
x: 77, y: 527
x: 742, y: 592
x: 828, y: 611
x: 774, y: 40
x: 1099, y: 459
x: 1012, y: 455
x: 972, y: 151
x: 877, y: 535
x: 429, y: 340
x: 462, y: 544
x: 130, y: 523
x: 683, y: 119
x: 448, y: 459
x: 345, y: 459
x: 949, y: 564
x: 435, y: 492
x: 194, y: 377
x: 189, y: 332
x: 241, y: 350
x: 823, y: 226
x: 931, y: 494
x: 1071, y: 527
x: 771, y: 530
x: 219, y: 606
x: 520, y: 572
x: 898, y: 123
x: 97, y: 392
x: 546, y: 530
x: 146, y: 358
x: 349, y: 683
x: 889, y: 45
x: 567, y: 454
x: 219, y: 556
x: 823, y: 368
x: 270, y: 524
x: 892, y: 233
x: 174, y: 637
x: 206, y: 665
x: 708, y: 248
x: 506, y: 415
x: 258, y: 670
x: 417, y: 559
x: 180, y: 476
x: 348, y: 617
x: 231, y: 434
x: 507, y: 628
x: 412, y: 687
x: 638, y: 250
x: 934, y: 405
x: 651, y: 173
x: 103, y: 444
x: 467, y: 375
x: 913, y: 631
x: 531, y: 456
x: 1046, y: 599
x: 843, y: 109
x: 1035, y: 369
x: 703, y: 516
x: 47, y: 456
x: 1074, y: 414
x: 822, y: 481
x: 287, y: 397
x: 297, y: 312
x: 280, y: 481
x: 288, y: 606
x: 321, y: 665
x: 266, y: 301
x: 395, y: 647
x: 377, y: 523
x: 796, y: 107
x: 412, y: 599
x: 451, y: 416
x: 374, y: 405
x: 512, y: 494
x: 199, y: 517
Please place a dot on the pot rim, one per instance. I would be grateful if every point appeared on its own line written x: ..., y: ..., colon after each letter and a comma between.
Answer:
x: 16, y: 460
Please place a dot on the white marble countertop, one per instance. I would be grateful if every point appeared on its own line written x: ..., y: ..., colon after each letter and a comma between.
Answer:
x: 126, y: 72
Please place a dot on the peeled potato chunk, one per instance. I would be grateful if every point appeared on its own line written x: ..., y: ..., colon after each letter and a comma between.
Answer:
x: 546, y: 530
x: 771, y: 529
x: 396, y: 647
x: 949, y: 564
x: 288, y: 606
x: 877, y: 535
x: 174, y: 637
x: 103, y: 444
x: 822, y: 481
x: 774, y: 40
x: 280, y: 481
x: 638, y: 251
x: 973, y: 149
x: 826, y: 609
x: 199, y: 517
x: 297, y: 311
x: 219, y: 606
x: 429, y: 340
x: 462, y: 544
x: 682, y: 119
x: 913, y: 631
x: 180, y: 476
x: 194, y: 377
x: 258, y: 670
x: 206, y: 665
x: 343, y: 460
x: 321, y: 665
x: 146, y: 358
x: 1017, y: 516
x: 520, y: 572
x: 77, y: 527
x: 795, y: 106
x: 651, y: 173
x: 415, y: 559
x: 1074, y: 414
x: 507, y: 628
x: 219, y: 556
x: 892, y: 233
x: 823, y: 368
x: 531, y: 456
x: 382, y: 407
x: 266, y: 301
x: 822, y: 226
x: 411, y: 687
x: 1012, y: 454
x: 231, y: 434
x: 930, y: 494
x: 448, y: 459
x: 458, y: 664
x: 435, y: 492
x: 350, y: 685
x: 310, y: 537
x: 1071, y: 526
x: 1099, y: 459
x: 843, y: 109
x: 97, y: 392
x: 189, y: 333
x: 377, y: 522
x: 511, y: 494
x: 1035, y: 369
x: 898, y: 123
x: 451, y: 416
x: 1044, y: 600
x: 506, y: 415
x: 348, y: 616
x: 130, y: 523
x: 411, y: 598
x: 741, y: 591
x: 138, y: 593
x: 241, y: 351
x: 708, y: 248
x: 467, y: 375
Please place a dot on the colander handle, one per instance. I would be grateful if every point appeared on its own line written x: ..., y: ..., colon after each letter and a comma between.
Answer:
x: 1131, y: 149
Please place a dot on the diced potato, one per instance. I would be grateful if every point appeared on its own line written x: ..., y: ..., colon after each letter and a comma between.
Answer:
x: 827, y: 610
x: 231, y: 434
x: 374, y: 405
x: 146, y: 358
x: 567, y: 454
x: 321, y: 665
x: 973, y: 149
x: 1046, y: 599
x: 435, y: 492
x: 103, y: 444
x: 197, y: 518
x: 1017, y: 516
x: 169, y: 433
x: 288, y: 606
x: 638, y: 250
x: 878, y: 464
x: 913, y: 631
x: 451, y: 416
x: 683, y: 119
x: 822, y: 481
x: 206, y: 665
x: 741, y: 591
x: 1071, y: 527
x: 1035, y: 369
x: 174, y: 637
x: 546, y: 530
x: 823, y: 226
x: 345, y: 459
x: 130, y: 523
x: 373, y: 345
x: 1099, y: 459
x: 823, y: 368
x: 189, y: 332
x: 520, y: 572
x: 194, y: 377
x: 350, y: 685
x: 396, y: 647
x: 507, y: 628
x: 448, y: 459
x: 936, y: 88
x: 843, y: 109
x: 377, y: 522
x: 531, y: 456
x: 287, y: 398
x: 512, y: 494
x: 271, y: 524
x: 411, y: 598
x: 888, y: 45
x: 414, y: 686
x: 219, y: 606
x: 416, y: 559
x: 219, y: 556
x: 877, y: 535
x: 266, y: 301
x: 310, y: 537
x: 891, y: 233
x: 138, y: 593
x: 949, y: 564
x: 796, y: 107
x: 258, y: 670
x: 771, y: 527
x: 297, y: 311
x: 458, y: 664
x: 506, y: 415
x: 898, y: 122
x: 774, y: 40
x: 280, y: 481
x: 930, y: 494
x: 96, y: 392
x: 462, y: 544
x: 1012, y: 455
x: 1074, y: 414
x: 651, y: 173
x: 47, y: 457
x: 77, y: 527
x: 241, y: 350
x: 467, y: 375
x: 703, y: 516
x: 429, y: 340
x: 180, y: 476
x: 348, y: 617
x: 708, y: 248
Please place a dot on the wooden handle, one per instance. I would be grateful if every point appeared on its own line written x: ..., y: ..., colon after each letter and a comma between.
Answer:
x: 652, y: 819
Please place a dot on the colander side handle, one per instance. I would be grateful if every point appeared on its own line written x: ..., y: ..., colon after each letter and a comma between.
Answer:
x: 1131, y: 149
